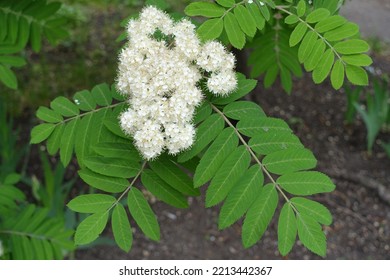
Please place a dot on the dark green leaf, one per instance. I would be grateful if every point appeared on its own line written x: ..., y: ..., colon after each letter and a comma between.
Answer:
x: 243, y: 109
x: 91, y: 203
x: 8, y: 77
x: 116, y: 167
x: 90, y: 229
x: 102, y: 95
x: 67, y: 141
x: 287, y: 229
x: 41, y: 132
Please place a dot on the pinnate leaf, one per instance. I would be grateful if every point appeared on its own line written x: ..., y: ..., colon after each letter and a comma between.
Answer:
x: 205, y: 9
x: 41, y: 132
x: 91, y: 203
x: 311, y: 235
x: 287, y: 229
x: 121, y: 228
x: 314, y: 209
x: 90, y: 228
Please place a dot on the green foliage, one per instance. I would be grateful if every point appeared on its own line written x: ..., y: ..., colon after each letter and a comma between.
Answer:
x: 25, y: 22
x: 325, y: 43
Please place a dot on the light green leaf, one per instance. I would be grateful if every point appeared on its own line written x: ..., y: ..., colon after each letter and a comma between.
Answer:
x: 313, y: 209
x: 287, y: 229
x: 206, y: 132
x: 116, y: 167
x: 356, y: 75
x: 153, y: 183
x: 264, y: 10
x: 226, y: 3
x: 64, y: 106
x: 323, y: 68
x: 259, y: 215
x: 257, y: 16
x: 357, y: 59
x: 306, y: 183
x: 54, y: 141
x: 345, y: 31
x: 41, y: 132
x: 121, y: 228
x: 245, y: 20
x: 102, y: 94
x: 311, y: 235
x: 337, y: 75
x: 330, y: 23
x: 102, y: 182
x: 84, y: 100
x: 243, y: 109
x: 353, y: 46
x: 175, y: 177
x: 235, y: 35
x: 143, y: 215
x: 8, y: 77
x: 307, y: 45
x: 67, y: 141
x: 226, y: 177
x: 297, y: 34
x: 289, y: 160
x: 315, y: 55
x: 205, y: 9
x: 291, y: 19
x: 215, y: 155
x: 210, y: 29
x: 117, y: 150
x: 267, y: 143
x: 262, y: 125
x: 246, y: 190
x: 83, y: 138
x: 317, y: 15
x: 91, y: 203
x: 48, y: 115
x: 90, y: 229
x: 301, y: 8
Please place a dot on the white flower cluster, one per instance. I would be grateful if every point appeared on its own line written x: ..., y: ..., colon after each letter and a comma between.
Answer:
x: 160, y: 77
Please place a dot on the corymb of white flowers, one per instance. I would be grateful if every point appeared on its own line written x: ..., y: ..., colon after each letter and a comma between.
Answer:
x: 160, y: 70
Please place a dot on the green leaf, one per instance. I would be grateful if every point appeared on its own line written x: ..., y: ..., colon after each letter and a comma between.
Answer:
x: 289, y: 160
x: 244, y: 86
x: 41, y: 132
x: 262, y: 125
x: 245, y: 20
x: 8, y: 77
x: 117, y: 150
x: 238, y: 201
x: 301, y: 8
x: 317, y: 15
x: 210, y: 29
x: 235, y: 35
x: 323, y: 68
x: 353, y: 46
x: 226, y: 3
x: 264, y: 10
x: 291, y: 19
x: 297, y: 34
x: 84, y: 100
x: 315, y: 55
x: 48, y: 115
x: 311, y: 235
x: 337, y: 75
x: 268, y: 143
x: 35, y: 36
x: 202, y: 112
x: 102, y: 182
x: 102, y: 94
x: 313, y: 209
x: 215, y: 155
x: 307, y: 45
x: 330, y: 23
x: 243, y: 109
x: 91, y: 203
x: 54, y: 141
x: 67, y: 141
x: 206, y: 132
x: 143, y: 214
x: 287, y: 229
x: 356, y: 75
x: 345, y: 31
x: 113, y: 126
x: 285, y: 78
x: 357, y: 59
x: 121, y: 228
x: 64, y: 106
x: 306, y: 183
x: 116, y: 167
x: 153, y: 183
x: 205, y: 9
x: 257, y: 16
x: 271, y: 75
x: 13, y: 61
x: 171, y: 174
x: 227, y: 176
x: 259, y: 215
x: 90, y: 229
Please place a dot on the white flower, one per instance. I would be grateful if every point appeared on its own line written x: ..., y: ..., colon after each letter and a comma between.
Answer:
x: 160, y: 77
